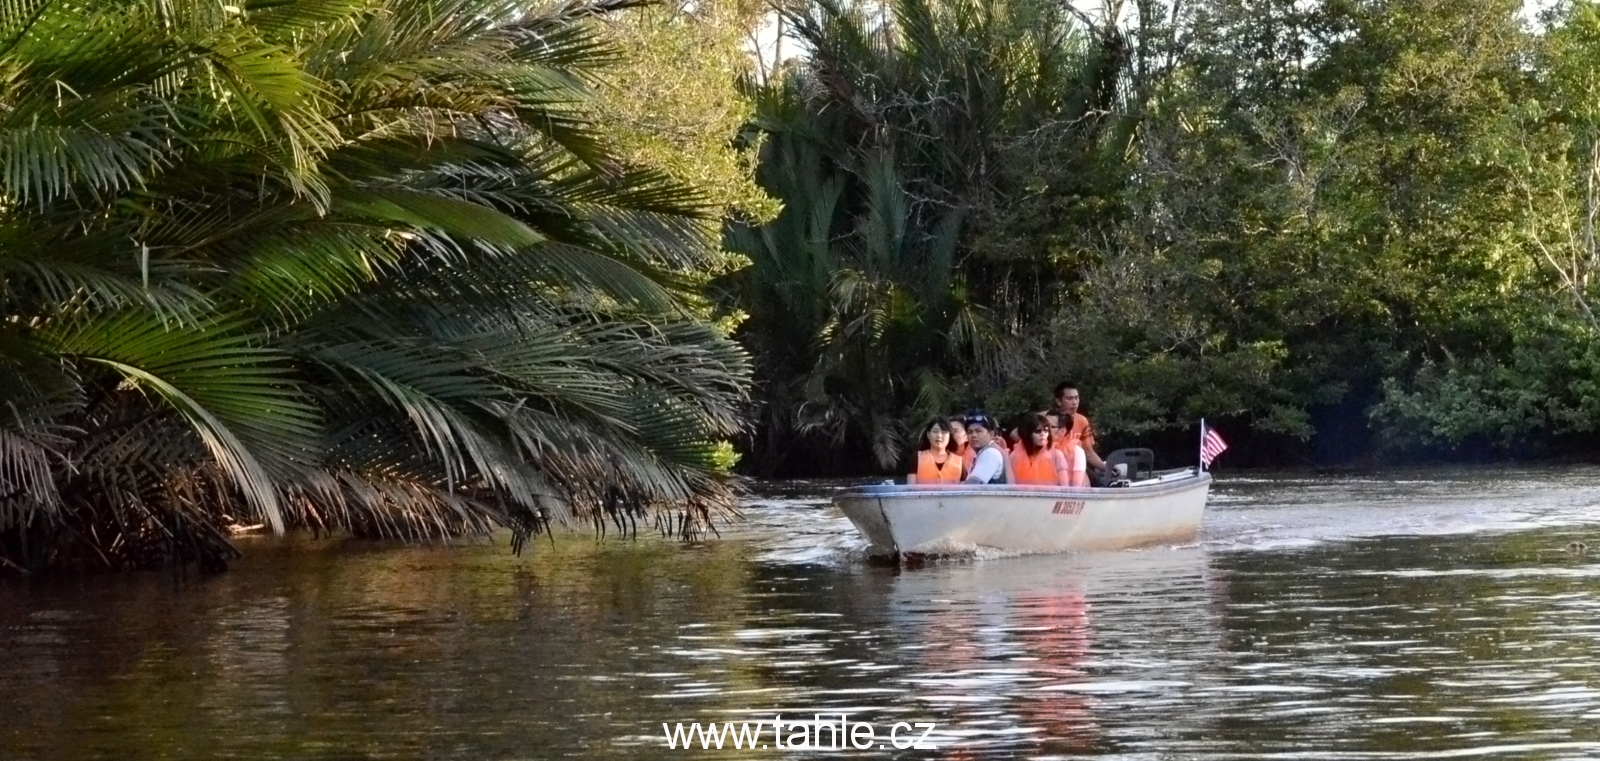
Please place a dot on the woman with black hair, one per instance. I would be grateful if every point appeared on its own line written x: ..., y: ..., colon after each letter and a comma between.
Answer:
x: 960, y: 445
x: 1035, y: 461
x: 937, y: 460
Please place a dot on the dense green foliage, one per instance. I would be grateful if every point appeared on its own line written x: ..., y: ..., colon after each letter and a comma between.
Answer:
x: 418, y: 268
x: 871, y: 294
x: 355, y: 264
x: 1344, y: 227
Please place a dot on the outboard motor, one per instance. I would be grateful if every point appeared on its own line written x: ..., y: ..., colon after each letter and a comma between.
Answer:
x: 1130, y: 465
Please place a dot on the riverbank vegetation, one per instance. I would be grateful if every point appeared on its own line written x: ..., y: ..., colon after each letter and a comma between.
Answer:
x: 364, y: 265
x: 1341, y: 229
x: 419, y: 268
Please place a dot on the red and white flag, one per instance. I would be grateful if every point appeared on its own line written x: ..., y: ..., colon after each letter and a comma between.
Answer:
x: 1211, y: 444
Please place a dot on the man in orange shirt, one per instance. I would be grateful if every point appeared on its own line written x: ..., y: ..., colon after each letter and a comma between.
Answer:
x: 1067, y: 401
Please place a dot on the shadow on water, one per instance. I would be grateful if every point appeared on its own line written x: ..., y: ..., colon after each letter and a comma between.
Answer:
x: 1435, y: 615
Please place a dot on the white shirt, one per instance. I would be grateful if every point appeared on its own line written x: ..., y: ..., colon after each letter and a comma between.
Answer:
x: 988, y: 464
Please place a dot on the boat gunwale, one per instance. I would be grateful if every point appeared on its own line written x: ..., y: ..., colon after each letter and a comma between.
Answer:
x: 906, y: 492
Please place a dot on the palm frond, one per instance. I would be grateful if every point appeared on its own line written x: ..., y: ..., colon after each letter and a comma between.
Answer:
x: 555, y: 42
x: 43, y: 284
x: 439, y: 213
x: 236, y: 396
x: 280, y: 20
x: 33, y: 436
x: 300, y: 269
x: 17, y: 17
x: 42, y: 162
x: 269, y: 89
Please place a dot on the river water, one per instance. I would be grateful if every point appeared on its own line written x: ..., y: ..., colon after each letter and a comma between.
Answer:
x: 1427, y: 615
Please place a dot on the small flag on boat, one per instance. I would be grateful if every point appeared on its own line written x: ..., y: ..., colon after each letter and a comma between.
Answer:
x: 1211, y: 444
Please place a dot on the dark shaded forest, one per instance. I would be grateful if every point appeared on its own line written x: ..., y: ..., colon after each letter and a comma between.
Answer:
x: 1345, y: 232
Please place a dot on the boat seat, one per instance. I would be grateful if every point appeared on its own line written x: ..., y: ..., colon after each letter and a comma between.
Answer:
x: 1141, y: 463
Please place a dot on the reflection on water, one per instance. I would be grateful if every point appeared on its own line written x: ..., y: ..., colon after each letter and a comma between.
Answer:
x: 1435, y: 615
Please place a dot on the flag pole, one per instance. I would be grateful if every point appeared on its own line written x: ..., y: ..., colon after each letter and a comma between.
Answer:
x: 1200, y: 452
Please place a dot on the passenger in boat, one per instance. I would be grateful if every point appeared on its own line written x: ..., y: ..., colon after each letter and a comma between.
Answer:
x: 1014, y: 436
x: 1001, y: 439
x: 990, y: 465
x: 960, y: 444
x: 1067, y: 401
x: 1071, y: 451
x: 937, y: 461
x: 964, y: 447
x: 1034, y: 461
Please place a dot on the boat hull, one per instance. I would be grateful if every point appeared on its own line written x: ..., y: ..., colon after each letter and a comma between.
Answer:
x: 939, y: 520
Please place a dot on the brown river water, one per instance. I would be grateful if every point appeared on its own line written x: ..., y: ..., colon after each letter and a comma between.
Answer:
x: 1431, y: 614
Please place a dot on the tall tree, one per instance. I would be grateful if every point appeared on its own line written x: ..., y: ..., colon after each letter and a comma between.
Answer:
x: 1323, y: 202
x: 674, y: 99
x: 1537, y: 383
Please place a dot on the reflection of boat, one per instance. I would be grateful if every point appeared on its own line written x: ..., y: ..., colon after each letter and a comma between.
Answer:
x: 1048, y: 656
x: 946, y: 519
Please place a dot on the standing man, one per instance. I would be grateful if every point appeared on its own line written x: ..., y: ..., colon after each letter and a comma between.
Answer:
x: 1067, y: 401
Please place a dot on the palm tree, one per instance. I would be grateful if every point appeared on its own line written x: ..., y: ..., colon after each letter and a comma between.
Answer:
x: 358, y: 265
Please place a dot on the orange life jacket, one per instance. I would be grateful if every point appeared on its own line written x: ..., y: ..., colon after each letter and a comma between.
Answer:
x: 1081, y: 433
x: 1038, y: 469
x: 930, y: 472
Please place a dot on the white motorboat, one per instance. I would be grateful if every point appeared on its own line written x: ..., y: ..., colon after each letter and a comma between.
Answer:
x: 961, y: 518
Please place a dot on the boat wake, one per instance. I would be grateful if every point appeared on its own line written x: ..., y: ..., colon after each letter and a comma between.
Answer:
x: 1294, y: 511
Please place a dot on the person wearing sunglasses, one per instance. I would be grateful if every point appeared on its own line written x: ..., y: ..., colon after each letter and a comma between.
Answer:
x: 1034, y: 461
